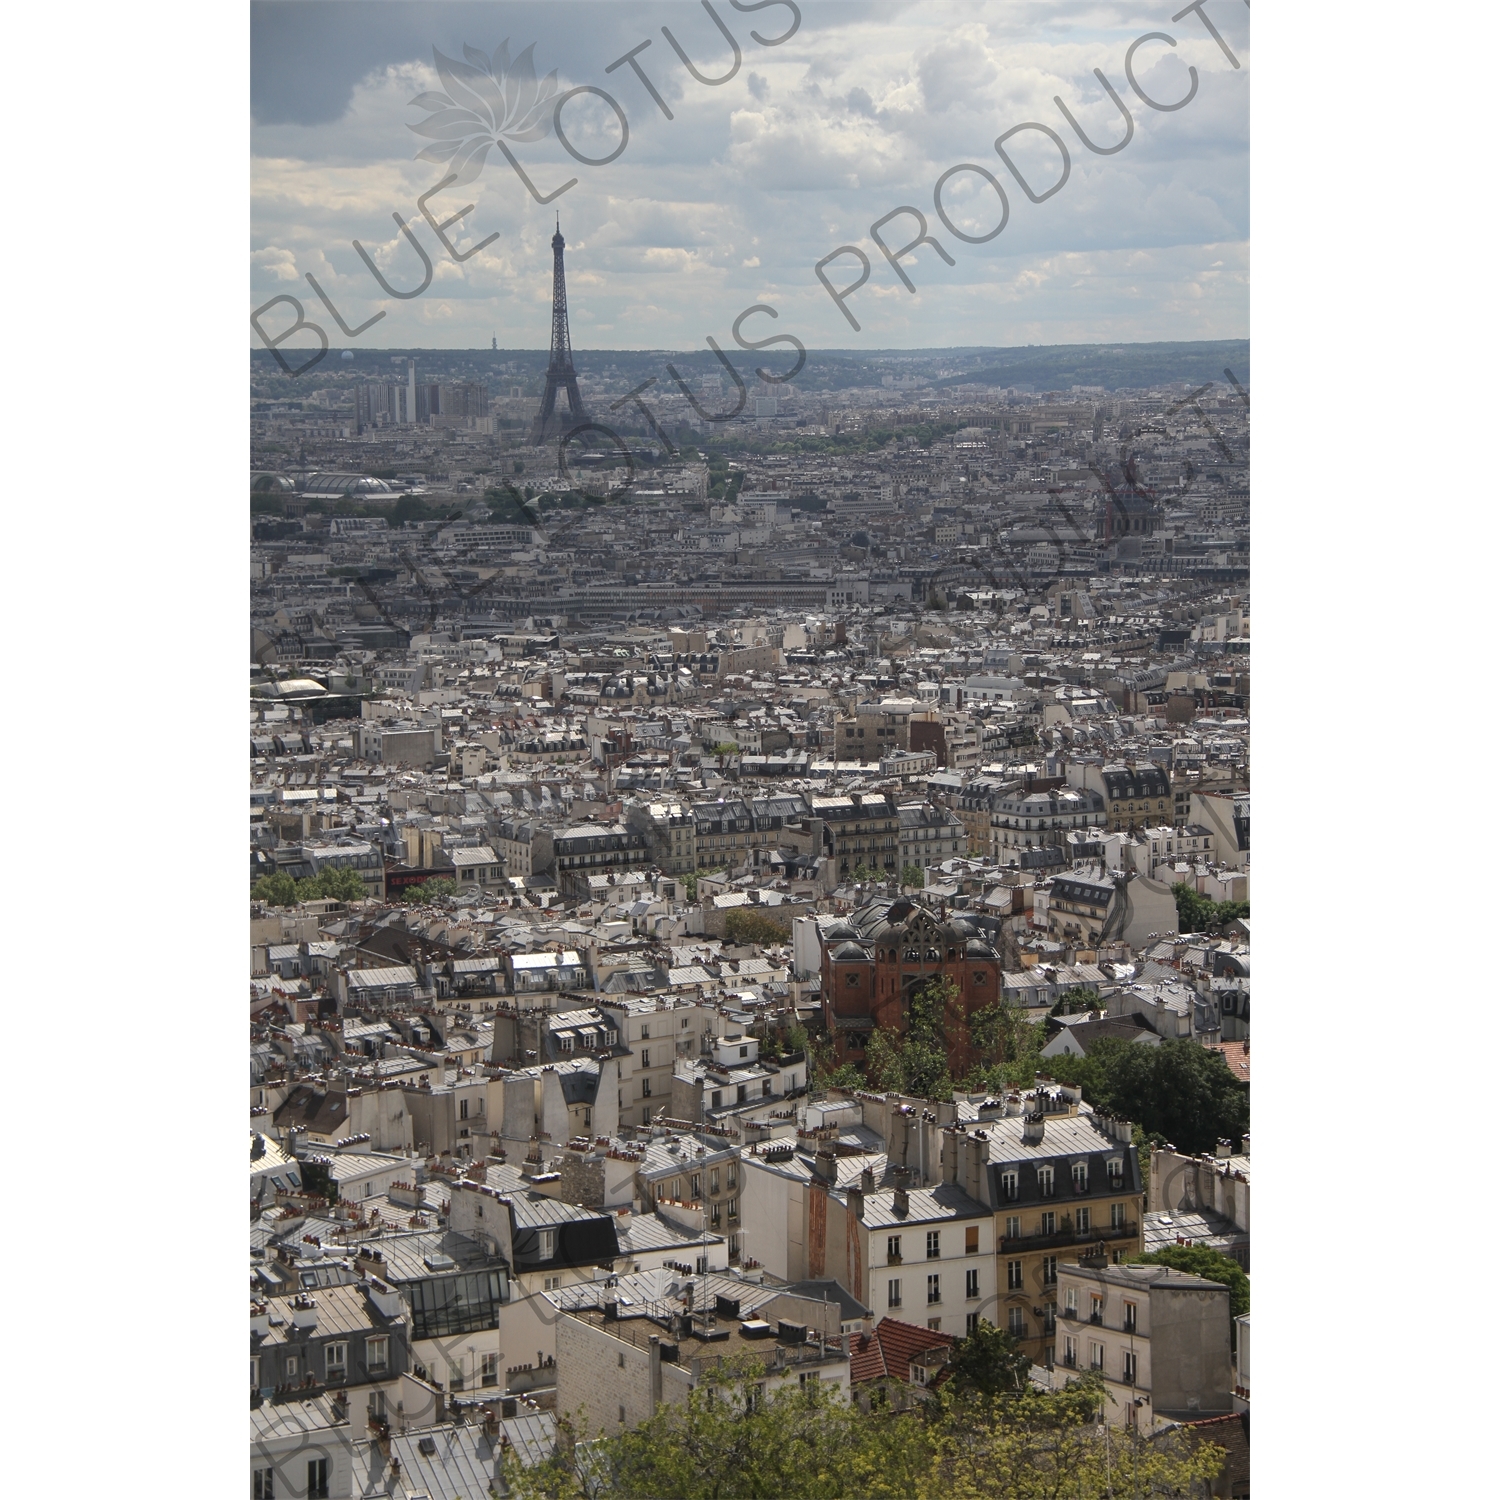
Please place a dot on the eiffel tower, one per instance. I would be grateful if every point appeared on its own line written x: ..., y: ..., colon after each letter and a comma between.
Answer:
x: 549, y: 423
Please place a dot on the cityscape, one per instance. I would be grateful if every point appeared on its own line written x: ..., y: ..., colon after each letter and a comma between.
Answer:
x: 749, y: 893
x: 749, y: 861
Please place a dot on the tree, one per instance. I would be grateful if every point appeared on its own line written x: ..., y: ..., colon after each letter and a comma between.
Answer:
x: 1196, y: 913
x: 278, y: 889
x: 1180, y: 1091
x: 990, y: 1362
x: 690, y: 886
x: 733, y: 1440
x: 332, y: 884
x: 743, y: 926
x: 916, y: 1061
x: 1074, y: 1001
x: 1199, y: 1260
x: 913, y: 875
x: 430, y: 890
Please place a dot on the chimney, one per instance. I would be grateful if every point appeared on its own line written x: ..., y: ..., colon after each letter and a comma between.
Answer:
x: 825, y: 1164
x: 976, y: 1148
x: 856, y: 1198
x: 901, y: 1205
x: 955, y: 1142
x: 867, y: 1179
x: 1223, y: 1150
x: 1033, y: 1127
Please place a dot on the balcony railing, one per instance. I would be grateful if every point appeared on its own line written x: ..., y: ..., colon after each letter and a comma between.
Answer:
x: 1069, y: 1236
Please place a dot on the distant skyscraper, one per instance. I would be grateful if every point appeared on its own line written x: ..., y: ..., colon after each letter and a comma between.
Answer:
x: 493, y: 343
x: 560, y: 373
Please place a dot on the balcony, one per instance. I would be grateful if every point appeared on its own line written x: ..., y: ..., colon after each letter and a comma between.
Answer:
x: 1066, y: 1237
x: 1097, y: 1317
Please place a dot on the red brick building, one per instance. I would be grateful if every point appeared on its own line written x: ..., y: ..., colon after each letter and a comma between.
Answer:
x: 875, y: 959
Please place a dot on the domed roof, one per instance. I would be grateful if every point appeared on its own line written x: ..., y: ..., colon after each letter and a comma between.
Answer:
x: 978, y: 948
x: 849, y: 950
x: 840, y: 930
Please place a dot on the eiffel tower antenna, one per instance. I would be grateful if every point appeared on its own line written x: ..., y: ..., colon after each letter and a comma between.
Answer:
x: 549, y: 422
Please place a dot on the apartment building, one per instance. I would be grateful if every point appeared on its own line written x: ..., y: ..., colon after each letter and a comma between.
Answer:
x: 1061, y: 1183
x: 859, y: 829
x: 1158, y: 1337
x: 658, y: 1032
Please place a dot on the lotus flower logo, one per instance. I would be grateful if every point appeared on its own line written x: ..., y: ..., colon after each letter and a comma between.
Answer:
x: 487, y: 99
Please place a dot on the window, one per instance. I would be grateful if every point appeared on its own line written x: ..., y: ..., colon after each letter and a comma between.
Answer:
x: 713, y: 1183
x: 892, y: 1248
x: 264, y: 1486
x: 489, y: 1369
x: 1096, y: 1309
x: 292, y: 1368
x: 971, y: 1324
x: 1016, y: 1322
x: 745, y: 1051
x: 1009, y: 1187
x: 1096, y: 1356
x: 551, y: 1283
x: 1083, y: 1221
x: 1080, y: 1177
x: 1070, y: 1350
x: 622, y: 1416
x: 645, y: 1033
x: 934, y: 1289
x: 1013, y: 1282
x: 1012, y: 1226
x: 971, y: 1240
x: 546, y: 1243
x: 697, y: 1184
x: 1130, y: 1317
x: 754, y: 1396
x: 367, y: 1190
x: 335, y: 1361
x: 1044, y: 1181
x: 1049, y: 1223
x: 463, y: 1109
x: 1049, y: 1317
x: 620, y: 1357
x: 646, y: 1090
x: 1049, y: 1270
x: 893, y: 1294
x: 1116, y: 1215
x: 933, y: 1250
x: 1070, y: 1300
x: 317, y: 1479
x: 971, y: 1284
x: 377, y: 1354
x: 645, y: 1057
x: 715, y: 1215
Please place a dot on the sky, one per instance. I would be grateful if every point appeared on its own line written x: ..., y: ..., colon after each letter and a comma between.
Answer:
x: 733, y: 201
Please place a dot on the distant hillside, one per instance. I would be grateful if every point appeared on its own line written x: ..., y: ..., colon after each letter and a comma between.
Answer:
x: 1056, y: 367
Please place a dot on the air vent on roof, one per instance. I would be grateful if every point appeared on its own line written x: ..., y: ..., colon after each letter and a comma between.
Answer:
x: 435, y: 1260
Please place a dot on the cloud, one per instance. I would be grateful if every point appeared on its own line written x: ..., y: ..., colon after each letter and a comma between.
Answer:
x: 735, y: 198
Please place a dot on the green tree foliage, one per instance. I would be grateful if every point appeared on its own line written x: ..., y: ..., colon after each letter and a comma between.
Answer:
x: 917, y: 1062
x: 1179, y: 1092
x: 744, y: 926
x: 735, y: 1440
x: 430, y: 890
x: 1075, y: 1001
x: 990, y: 1362
x: 275, y: 890
x: 690, y: 886
x: 1199, y: 1260
x: 913, y: 875
x: 327, y: 885
x: 316, y: 1178
x: 1197, y: 913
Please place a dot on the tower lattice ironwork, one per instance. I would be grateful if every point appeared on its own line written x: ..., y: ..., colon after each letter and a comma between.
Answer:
x: 561, y: 376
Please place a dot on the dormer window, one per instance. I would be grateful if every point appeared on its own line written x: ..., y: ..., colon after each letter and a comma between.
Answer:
x: 546, y: 1244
